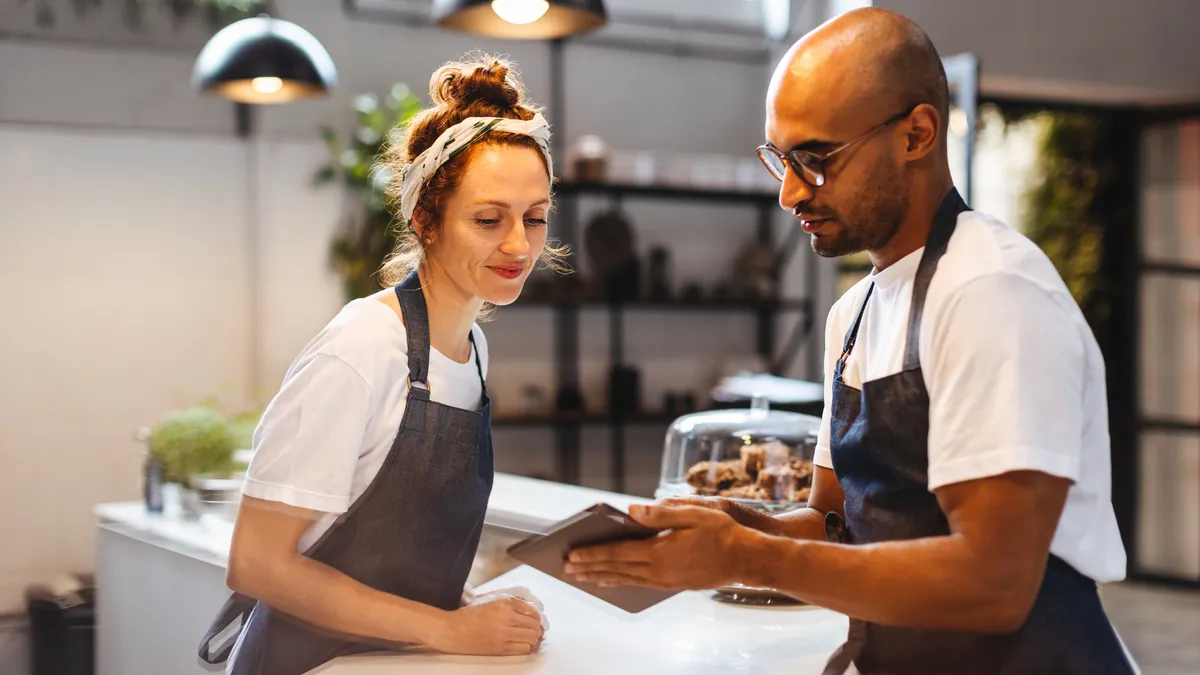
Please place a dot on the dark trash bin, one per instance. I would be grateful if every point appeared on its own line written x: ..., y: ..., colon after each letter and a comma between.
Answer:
x: 62, y: 630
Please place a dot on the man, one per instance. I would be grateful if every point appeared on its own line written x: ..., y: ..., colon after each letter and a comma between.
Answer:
x: 963, y: 461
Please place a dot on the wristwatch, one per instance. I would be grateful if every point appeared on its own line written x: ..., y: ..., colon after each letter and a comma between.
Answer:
x: 835, y: 528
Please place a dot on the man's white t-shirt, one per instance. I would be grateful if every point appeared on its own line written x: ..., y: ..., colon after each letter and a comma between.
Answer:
x: 324, y: 436
x: 1014, y: 375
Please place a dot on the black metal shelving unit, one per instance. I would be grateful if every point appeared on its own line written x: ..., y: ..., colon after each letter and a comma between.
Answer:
x: 568, y: 425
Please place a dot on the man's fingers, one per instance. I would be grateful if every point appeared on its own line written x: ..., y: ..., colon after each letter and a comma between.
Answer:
x: 665, y: 517
x: 616, y: 579
x: 618, y: 567
x: 705, y: 502
x: 623, y: 551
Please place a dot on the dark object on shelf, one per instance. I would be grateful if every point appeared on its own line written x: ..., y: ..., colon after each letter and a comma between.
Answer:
x: 569, y: 400
x: 591, y: 160
x: 676, y: 403
x: 722, y: 290
x: 533, y: 400
x: 670, y: 403
x: 659, y: 274
x: 62, y: 629
x: 689, y: 402
x: 692, y: 292
x: 755, y: 271
x: 610, y: 247
x: 624, y: 392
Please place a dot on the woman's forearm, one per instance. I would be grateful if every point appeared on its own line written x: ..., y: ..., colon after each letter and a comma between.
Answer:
x: 326, y: 598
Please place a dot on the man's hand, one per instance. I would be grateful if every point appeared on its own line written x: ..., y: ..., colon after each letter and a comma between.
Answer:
x: 743, y: 515
x: 693, y: 552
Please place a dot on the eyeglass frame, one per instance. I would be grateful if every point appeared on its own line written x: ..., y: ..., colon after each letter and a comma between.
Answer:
x: 798, y: 168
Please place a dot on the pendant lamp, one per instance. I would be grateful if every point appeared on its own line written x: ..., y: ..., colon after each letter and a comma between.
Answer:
x: 522, y: 19
x: 264, y: 60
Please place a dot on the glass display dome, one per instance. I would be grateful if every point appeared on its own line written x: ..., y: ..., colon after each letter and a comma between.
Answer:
x: 757, y: 456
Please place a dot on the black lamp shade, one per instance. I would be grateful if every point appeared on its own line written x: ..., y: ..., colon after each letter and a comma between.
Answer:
x: 563, y: 18
x: 264, y: 60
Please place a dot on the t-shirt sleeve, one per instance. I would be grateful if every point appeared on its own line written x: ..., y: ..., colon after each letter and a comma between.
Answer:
x: 307, y: 445
x: 1005, y: 375
x: 822, y: 455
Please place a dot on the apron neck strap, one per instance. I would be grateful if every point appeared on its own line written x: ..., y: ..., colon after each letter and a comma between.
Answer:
x: 416, y: 326
x: 943, y: 226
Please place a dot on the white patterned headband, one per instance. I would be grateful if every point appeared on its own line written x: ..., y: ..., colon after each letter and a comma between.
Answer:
x: 452, y: 141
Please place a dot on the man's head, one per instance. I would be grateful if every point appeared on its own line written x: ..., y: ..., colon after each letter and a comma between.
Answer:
x: 870, y: 85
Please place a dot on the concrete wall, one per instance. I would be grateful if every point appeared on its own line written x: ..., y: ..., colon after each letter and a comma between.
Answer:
x: 1094, y: 50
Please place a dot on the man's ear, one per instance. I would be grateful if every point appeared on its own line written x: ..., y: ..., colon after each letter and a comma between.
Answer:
x: 921, y: 131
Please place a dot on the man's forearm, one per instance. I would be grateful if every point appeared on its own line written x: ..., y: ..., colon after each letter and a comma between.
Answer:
x: 806, y: 523
x: 936, y: 582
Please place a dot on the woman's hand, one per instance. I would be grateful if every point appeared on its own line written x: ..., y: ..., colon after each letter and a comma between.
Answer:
x: 506, y: 626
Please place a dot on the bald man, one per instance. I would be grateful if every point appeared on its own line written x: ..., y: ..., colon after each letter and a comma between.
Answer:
x: 961, y: 510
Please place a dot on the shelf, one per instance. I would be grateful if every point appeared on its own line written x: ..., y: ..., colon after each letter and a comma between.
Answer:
x: 697, y: 194
x: 672, y: 305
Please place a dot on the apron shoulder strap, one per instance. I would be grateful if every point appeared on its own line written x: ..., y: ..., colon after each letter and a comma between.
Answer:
x: 478, y: 362
x: 416, y: 326
x: 943, y: 226
x: 852, y: 334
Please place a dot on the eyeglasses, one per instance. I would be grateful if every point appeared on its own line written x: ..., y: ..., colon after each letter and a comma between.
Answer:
x: 810, y: 166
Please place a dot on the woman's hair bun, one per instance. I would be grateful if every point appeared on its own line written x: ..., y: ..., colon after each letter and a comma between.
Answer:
x: 491, y: 81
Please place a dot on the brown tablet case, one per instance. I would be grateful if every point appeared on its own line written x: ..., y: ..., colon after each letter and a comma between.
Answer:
x: 597, y: 524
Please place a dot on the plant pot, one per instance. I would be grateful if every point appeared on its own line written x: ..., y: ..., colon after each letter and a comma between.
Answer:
x: 217, y: 493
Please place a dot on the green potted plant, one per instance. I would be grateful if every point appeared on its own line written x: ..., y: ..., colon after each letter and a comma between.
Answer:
x: 366, y: 235
x: 193, y: 446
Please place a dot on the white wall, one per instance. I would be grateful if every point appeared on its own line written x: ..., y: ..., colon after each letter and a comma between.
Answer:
x: 1097, y: 50
x: 123, y: 291
x: 125, y: 244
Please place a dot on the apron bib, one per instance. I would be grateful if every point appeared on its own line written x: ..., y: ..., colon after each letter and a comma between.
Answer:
x: 878, y: 441
x: 413, y: 533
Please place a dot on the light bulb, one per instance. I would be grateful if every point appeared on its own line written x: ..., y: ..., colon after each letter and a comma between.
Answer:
x: 520, y: 11
x: 266, y: 85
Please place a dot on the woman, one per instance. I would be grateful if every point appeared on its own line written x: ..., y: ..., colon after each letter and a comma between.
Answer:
x: 364, y: 502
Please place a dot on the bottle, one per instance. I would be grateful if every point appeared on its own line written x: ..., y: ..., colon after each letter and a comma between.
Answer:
x: 152, y: 478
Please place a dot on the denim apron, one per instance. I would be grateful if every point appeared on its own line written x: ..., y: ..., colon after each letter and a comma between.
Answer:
x: 879, y: 445
x: 413, y: 533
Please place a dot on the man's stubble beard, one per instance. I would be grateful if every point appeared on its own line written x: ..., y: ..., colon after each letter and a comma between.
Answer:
x: 873, y: 220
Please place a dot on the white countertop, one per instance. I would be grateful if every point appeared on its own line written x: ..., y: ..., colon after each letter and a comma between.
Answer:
x: 516, y: 502
x: 690, y: 633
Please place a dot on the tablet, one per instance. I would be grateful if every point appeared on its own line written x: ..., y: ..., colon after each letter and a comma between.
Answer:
x: 595, y: 525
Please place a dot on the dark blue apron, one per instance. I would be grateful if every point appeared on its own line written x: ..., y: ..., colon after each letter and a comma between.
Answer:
x: 413, y: 533
x: 880, y: 455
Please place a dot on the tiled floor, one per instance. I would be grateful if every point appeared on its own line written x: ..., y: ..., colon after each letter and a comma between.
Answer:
x: 1160, y: 626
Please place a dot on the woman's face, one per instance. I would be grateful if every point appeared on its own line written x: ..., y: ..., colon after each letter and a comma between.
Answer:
x: 494, y: 225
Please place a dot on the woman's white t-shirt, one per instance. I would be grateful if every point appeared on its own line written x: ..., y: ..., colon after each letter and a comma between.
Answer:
x: 326, y: 433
